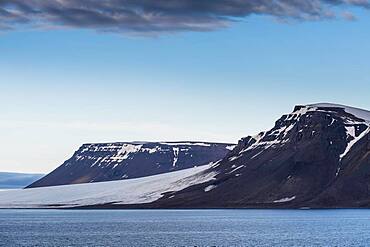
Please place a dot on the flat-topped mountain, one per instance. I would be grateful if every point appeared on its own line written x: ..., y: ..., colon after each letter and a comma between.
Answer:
x: 124, y: 160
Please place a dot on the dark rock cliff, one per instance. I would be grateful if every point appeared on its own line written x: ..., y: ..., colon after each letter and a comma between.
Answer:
x: 316, y: 156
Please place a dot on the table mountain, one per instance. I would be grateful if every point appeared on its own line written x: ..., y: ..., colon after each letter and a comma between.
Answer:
x: 123, y: 160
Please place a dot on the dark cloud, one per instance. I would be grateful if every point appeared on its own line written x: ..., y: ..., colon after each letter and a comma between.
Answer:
x: 158, y: 16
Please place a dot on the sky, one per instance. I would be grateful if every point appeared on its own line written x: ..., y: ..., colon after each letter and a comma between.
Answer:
x: 217, y: 71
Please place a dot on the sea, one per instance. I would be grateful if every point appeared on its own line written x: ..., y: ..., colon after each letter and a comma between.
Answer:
x: 239, y: 227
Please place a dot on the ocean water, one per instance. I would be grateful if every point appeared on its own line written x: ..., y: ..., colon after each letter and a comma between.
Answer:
x: 185, y: 227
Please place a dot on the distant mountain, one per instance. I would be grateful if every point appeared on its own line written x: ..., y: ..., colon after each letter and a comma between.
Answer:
x: 116, y: 161
x: 10, y: 180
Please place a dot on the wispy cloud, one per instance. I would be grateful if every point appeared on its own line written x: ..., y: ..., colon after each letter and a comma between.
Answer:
x: 160, y: 16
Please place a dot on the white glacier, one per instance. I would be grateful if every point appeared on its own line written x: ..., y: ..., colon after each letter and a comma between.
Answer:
x: 130, y: 191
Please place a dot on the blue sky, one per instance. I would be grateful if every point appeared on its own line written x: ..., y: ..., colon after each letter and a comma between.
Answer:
x: 61, y: 88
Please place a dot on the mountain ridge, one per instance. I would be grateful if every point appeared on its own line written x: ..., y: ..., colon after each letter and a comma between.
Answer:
x: 317, y: 156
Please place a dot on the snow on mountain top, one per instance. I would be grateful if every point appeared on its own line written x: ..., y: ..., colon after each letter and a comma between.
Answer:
x: 186, y: 143
x: 352, y: 137
x: 360, y: 113
x: 130, y: 191
x: 170, y: 143
x: 279, y: 134
x: 128, y: 147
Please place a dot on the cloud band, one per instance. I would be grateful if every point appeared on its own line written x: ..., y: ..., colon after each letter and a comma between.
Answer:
x: 160, y: 16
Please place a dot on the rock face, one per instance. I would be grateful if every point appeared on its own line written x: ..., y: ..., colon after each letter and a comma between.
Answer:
x: 316, y: 156
x: 115, y: 161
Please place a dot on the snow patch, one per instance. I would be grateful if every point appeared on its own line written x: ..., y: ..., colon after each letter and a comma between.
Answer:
x: 126, y: 150
x: 235, y: 169
x: 209, y: 188
x: 337, y: 172
x: 230, y: 147
x: 175, y: 156
x: 351, y: 132
x: 254, y: 156
x: 286, y: 199
x: 151, y: 150
x: 234, y: 158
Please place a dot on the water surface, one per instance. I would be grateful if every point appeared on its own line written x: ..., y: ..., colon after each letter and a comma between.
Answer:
x: 184, y: 227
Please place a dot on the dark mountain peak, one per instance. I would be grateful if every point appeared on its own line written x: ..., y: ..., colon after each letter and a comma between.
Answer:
x: 336, y: 127
x: 308, y: 151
